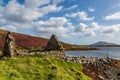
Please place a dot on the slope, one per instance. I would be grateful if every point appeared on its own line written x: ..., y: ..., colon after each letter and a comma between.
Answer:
x: 26, y: 41
x: 40, y: 69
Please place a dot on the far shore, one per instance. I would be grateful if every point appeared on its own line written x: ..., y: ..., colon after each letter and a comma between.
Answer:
x: 82, y: 49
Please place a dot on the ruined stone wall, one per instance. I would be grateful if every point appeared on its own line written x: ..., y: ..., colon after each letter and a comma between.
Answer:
x: 54, y: 44
x: 54, y: 48
x: 9, y: 46
x: 58, y: 54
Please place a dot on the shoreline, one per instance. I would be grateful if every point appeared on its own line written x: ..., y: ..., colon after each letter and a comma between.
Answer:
x: 81, y: 49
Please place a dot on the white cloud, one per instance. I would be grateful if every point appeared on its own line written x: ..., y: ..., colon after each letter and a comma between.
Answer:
x: 65, y: 35
x: 53, y: 25
x: 50, y: 30
x: 22, y: 16
x: 13, y: 7
x: 23, y: 13
x: 9, y: 27
x: 57, y: 1
x: 94, y: 26
x: 94, y: 29
x: 110, y: 30
x: 72, y: 7
x: 36, y: 3
x: 87, y: 27
x: 82, y: 16
x: 86, y: 30
x: 50, y: 8
x: 114, y: 16
x: 30, y: 14
x: 91, y: 9
x: 19, y: 13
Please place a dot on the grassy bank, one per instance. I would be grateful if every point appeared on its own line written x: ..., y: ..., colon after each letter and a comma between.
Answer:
x: 40, y: 69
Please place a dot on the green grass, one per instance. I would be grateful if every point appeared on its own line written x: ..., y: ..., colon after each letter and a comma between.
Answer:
x: 40, y: 69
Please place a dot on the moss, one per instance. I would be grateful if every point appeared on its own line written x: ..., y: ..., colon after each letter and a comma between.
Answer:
x: 31, y: 68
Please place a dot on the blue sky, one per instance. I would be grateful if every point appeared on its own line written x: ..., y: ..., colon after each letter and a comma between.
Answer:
x: 73, y: 21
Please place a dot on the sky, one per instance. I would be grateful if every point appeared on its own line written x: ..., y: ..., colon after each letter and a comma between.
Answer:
x: 73, y: 21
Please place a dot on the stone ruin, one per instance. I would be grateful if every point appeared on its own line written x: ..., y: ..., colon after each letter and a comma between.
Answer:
x: 9, y: 46
x: 54, y: 44
x: 54, y: 48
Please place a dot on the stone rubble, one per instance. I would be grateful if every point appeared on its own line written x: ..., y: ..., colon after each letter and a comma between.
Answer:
x: 98, y: 68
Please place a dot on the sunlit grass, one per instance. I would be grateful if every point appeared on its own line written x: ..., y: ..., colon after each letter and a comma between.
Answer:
x: 40, y: 69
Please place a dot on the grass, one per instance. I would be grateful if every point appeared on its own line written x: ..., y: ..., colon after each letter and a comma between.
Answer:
x: 32, y: 68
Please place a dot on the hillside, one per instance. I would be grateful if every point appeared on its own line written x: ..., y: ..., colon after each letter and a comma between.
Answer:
x: 40, y: 69
x: 26, y: 41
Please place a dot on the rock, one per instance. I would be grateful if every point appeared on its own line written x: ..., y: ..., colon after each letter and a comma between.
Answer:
x: 118, y: 75
x: 101, y: 77
x: 9, y: 46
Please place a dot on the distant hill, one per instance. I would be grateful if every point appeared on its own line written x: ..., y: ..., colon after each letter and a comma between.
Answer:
x: 26, y: 41
x: 103, y: 43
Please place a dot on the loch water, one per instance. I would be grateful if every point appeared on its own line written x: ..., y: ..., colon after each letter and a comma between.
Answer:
x: 112, y: 52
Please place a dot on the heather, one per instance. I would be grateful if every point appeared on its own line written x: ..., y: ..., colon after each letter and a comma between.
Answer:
x: 27, y: 42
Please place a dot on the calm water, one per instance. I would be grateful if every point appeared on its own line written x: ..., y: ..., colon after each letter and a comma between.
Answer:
x: 113, y: 52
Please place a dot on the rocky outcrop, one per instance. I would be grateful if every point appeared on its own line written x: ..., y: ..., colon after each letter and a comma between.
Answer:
x: 9, y: 46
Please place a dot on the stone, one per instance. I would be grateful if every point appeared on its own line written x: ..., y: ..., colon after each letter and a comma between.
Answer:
x: 9, y: 46
x: 101, y: 77
x: 118, y: 75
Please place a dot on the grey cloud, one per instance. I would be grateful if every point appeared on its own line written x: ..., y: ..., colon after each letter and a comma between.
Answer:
x: 81, y: 28
x: 109, y: 30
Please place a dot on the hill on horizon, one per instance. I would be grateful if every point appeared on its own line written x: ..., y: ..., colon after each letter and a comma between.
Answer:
x: 24, y: 41
x: 104, y: 43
